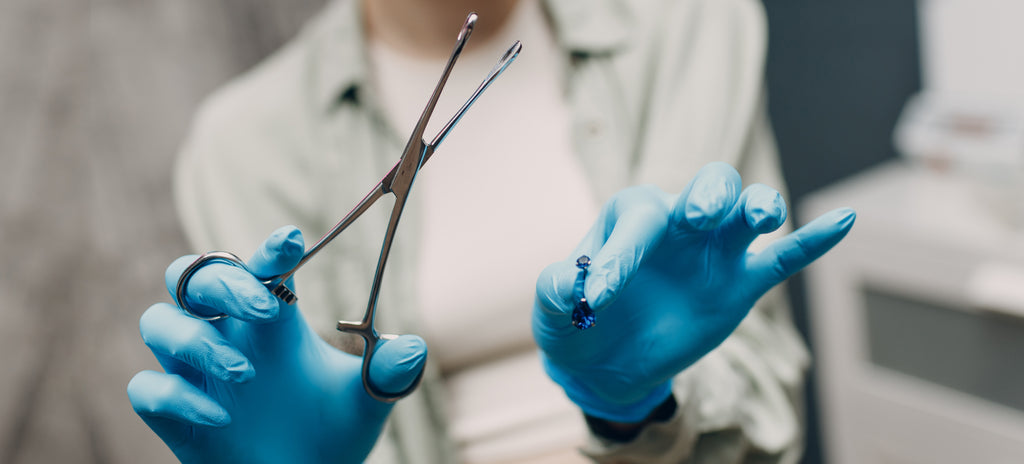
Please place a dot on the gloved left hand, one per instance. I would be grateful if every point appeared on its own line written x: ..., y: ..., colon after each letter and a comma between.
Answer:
x: 671, y: 277
x: 260, y: 386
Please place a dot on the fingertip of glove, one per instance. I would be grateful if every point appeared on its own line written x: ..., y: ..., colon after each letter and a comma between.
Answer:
x: 412, y: 347
x: 555, y: 287
x: 845, y: 217
x: 286, y: 241
x: 155, y: 394
x: 175, y: 269
x: 279, y: 253
x: 834, y: 224
x: 767, y: 218
x: 711, y: 195
x: 398, y: 362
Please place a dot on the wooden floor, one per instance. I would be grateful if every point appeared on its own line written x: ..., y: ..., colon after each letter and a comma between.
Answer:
x: 95, y: 96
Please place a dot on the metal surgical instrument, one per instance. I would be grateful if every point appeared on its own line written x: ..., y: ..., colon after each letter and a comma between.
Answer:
x: 398, y: 181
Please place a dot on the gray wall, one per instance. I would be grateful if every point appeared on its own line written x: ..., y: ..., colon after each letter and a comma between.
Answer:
x: 838, y: 75
x: 95, y: 97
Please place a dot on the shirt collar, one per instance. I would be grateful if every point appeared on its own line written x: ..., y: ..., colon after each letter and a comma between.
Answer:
x: 338, y: 58
x: 590, y: 26
x: 339, y: 61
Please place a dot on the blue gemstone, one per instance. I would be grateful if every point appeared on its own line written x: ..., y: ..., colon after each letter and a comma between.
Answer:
x: 583, y: 262
x: 583, y: 316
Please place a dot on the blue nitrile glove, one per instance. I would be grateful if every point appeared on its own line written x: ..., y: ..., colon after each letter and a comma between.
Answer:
x: 260, y: 386
x: 670, y: 279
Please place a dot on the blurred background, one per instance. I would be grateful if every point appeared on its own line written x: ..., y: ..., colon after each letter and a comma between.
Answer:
x: 910, y: 111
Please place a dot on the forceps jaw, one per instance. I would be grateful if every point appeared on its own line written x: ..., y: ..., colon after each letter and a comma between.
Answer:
x: 510, y: 55
x: 415, y: 151
x: 428, y: 148
x: 467, y: 28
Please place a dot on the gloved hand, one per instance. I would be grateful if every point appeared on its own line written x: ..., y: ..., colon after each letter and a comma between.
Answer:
x: 670, y: 279
x: 260, y: 386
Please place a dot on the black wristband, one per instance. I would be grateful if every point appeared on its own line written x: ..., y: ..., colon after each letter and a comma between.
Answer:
x: 624, y: 433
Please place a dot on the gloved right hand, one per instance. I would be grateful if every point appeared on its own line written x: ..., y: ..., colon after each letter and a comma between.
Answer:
x: 260, y: 386
x: 672, y: 277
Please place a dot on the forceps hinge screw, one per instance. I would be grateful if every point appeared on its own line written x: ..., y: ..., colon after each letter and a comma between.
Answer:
x: 284, y: 293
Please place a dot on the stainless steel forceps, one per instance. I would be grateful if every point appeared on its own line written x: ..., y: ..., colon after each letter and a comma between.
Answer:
x: 398, y: 181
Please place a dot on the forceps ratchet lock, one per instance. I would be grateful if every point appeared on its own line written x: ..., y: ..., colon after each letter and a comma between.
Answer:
x: 398, y: 181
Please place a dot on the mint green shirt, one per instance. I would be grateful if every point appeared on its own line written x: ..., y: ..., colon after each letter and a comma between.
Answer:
x: 656, y: 89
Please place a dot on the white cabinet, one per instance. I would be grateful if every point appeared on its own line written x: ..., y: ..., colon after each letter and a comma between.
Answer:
x: 916, y: 323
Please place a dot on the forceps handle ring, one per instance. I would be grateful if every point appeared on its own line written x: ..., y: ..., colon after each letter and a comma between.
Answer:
x: 274, y: 284
x: 370, y: 341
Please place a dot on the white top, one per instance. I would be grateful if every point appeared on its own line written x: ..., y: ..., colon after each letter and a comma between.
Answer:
x: 504, y: 197
x: 682, y: 80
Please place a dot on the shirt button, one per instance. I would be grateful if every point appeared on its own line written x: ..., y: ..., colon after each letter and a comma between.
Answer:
x: 594, y: 127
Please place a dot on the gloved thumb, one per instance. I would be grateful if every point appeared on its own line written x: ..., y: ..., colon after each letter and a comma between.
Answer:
x: 280, y: 252
x: 557, y: 294
x: 397, y: 363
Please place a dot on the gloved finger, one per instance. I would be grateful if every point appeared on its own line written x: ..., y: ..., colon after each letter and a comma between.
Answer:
x: 280, y: 252
x: 760, y: 210
x: 793, y: 252
x: 630, y: 227
x: 555, y: 300
x: 220, y: 287
x: 396, y: 363
x: 173, y: 335
x: 170, y: 406
x: 707, y: 200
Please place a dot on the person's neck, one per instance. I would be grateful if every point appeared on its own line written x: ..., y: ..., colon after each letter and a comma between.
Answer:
x: 428, y: 27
